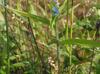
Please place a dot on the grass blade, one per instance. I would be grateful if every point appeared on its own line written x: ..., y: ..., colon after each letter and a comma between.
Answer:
x: 32, y: 16
x: 82, y: 42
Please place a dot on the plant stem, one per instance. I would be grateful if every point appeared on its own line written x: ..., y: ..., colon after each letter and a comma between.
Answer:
x: 37, y: 49
x: 67, y: 47
x: 91, y: 62
x: 71, y: 32
x: 36, y: 44
x: 7, y: 44
x: 58, y: 47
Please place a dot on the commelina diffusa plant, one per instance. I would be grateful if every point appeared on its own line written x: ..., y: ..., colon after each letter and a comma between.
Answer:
x: 49, y: 37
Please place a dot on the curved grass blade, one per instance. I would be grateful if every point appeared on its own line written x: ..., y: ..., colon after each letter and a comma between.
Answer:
x: 32, y: 16
x: 82, y: 42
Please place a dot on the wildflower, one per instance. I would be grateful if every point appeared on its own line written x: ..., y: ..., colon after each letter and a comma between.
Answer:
x: 57, y: 3
x: 55, y: 11
x: 54, y: 4
x: 53, y: 1
x: 22, y: 21
x: 13, y: 16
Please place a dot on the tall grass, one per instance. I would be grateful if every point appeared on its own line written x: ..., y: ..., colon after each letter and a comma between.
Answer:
x: 7, y: 36
x: 50, y: 37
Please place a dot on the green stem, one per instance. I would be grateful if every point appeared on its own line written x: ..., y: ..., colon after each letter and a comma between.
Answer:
x: 71, y: 33
x: 37, y: 49
x: 91, y: 62
x: 58, y: 47
x: 7, y: 44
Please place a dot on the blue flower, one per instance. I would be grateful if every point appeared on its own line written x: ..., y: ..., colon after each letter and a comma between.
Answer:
x: 55, y: 1
x: 55, y: 11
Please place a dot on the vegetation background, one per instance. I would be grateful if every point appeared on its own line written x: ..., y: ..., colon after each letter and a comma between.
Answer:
x: 49, y: 36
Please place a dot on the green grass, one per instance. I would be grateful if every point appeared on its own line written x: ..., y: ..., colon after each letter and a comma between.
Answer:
x: 39, y: 37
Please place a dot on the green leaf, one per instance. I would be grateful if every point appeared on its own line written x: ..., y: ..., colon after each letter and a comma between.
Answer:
x: 63, y: 6
x: 82, y: 42
x: 32, y: 16
x: 20, y: 64
x: 97, y: 5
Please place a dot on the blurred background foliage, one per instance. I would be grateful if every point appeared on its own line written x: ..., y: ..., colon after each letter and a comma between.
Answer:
x: 49, y: 36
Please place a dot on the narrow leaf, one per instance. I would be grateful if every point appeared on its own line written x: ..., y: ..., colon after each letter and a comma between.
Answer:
x: 82, y: 42
x: 32, y: 16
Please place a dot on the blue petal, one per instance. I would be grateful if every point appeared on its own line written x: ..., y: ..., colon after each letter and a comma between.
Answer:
x: 55, y: 10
